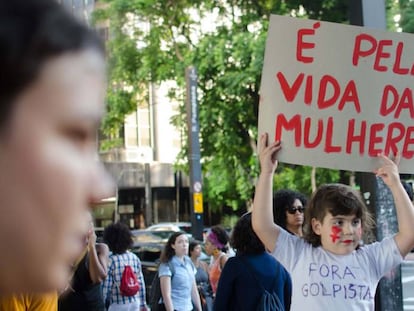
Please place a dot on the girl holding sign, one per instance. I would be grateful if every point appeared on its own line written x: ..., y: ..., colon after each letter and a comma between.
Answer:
x: 330, y: 268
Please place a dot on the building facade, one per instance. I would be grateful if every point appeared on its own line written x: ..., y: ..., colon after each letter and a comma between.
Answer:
x: 149, y: 190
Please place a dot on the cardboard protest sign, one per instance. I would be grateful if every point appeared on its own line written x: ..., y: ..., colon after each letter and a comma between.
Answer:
x: 338, y: 95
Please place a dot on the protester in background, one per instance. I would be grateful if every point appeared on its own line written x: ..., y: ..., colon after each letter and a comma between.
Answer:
x: 178, y: 287
x: 289, y: 210
x: 338, y: 221
x: 85, y: 290
x: 238, y: 288
x: 52, y: 88
x: 119, y: 239
x: 29, y: 302
x: 216, y: 246
x: 201, y: 276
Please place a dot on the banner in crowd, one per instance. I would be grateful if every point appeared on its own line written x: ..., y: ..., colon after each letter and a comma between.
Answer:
x: 337, y: 95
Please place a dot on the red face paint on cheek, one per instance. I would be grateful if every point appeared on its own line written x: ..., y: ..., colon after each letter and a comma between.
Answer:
x: 335, y: 233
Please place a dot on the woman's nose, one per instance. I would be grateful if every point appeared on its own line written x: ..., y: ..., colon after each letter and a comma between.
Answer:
x: 102, y: 183
x: 347, y: 228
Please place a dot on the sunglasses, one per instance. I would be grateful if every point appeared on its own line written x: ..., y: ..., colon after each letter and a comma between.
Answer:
x: 292, y: 210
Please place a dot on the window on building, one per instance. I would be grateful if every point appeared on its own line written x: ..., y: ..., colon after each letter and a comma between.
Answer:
x: 131, y: 130
x: 137, y: 128
x: 144, y: 138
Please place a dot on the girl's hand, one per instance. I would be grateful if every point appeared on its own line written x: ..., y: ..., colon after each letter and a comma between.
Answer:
x: 389, y: 170
x: 268, y: 154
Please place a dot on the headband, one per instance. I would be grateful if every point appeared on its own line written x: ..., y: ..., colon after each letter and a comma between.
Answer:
x: 214, y: 240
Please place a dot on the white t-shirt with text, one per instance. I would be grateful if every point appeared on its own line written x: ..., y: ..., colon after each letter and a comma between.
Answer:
x: 325, y: 281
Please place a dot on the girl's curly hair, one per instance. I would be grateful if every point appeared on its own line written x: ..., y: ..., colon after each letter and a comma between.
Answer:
x: 337, y: 199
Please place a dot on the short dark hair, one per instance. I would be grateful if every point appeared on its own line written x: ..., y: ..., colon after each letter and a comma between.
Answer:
x: 31, y: 33
x: 283, y: 199
x: 192, y: 245
x: 118, y: 237
x: 337, y: 199
x: 243, y: 239
x: 168, y: 251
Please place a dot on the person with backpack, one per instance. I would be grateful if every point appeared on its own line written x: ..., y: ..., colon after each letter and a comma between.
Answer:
x: 124, y: 286
x: 177, y: 276
x: 253, y: 279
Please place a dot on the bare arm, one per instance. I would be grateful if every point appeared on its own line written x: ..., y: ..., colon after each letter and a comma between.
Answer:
x: 404, y: 207
x: 262, y: 213
x: 165, y: 283
x: 223, y: 260
x: 98, y: 259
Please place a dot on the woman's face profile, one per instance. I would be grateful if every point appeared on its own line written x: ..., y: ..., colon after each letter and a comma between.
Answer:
x: 50, y: 169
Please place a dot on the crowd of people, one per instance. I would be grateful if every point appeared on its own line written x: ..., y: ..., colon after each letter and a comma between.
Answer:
x: 306, y: 254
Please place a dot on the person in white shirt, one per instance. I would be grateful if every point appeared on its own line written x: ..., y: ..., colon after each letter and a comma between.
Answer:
x: 330, y: 268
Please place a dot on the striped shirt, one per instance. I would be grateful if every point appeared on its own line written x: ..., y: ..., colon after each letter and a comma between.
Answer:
x: 111, y: 291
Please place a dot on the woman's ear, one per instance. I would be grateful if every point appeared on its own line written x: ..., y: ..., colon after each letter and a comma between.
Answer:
x: 316, y: 226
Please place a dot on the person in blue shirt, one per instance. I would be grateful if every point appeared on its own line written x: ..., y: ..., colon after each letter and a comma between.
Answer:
x: 178, y: 287
x: 238, y: 287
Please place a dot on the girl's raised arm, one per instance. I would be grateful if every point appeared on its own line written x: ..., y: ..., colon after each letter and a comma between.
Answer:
x: 404, y: 207
x: 262, y: 214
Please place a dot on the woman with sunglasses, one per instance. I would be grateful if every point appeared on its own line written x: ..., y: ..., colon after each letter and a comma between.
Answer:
x: 288, y: 210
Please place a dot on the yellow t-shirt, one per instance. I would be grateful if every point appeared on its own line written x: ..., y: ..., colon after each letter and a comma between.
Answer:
x: 29, y: 302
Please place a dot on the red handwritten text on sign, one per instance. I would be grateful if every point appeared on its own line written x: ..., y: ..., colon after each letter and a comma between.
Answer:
x: 362, y: 137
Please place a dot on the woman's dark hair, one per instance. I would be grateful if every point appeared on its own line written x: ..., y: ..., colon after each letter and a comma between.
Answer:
x: 118, y: 237
x: 337, y: 199
x: 168, y: 251
x: 283, y: 199
x: 243, y: 239
x: 31, y: 33
x: 222, y: 236
x: 192, y: 245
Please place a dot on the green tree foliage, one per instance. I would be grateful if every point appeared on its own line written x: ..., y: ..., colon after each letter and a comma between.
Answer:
x: 155, y: 40
x: 407, y: 15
